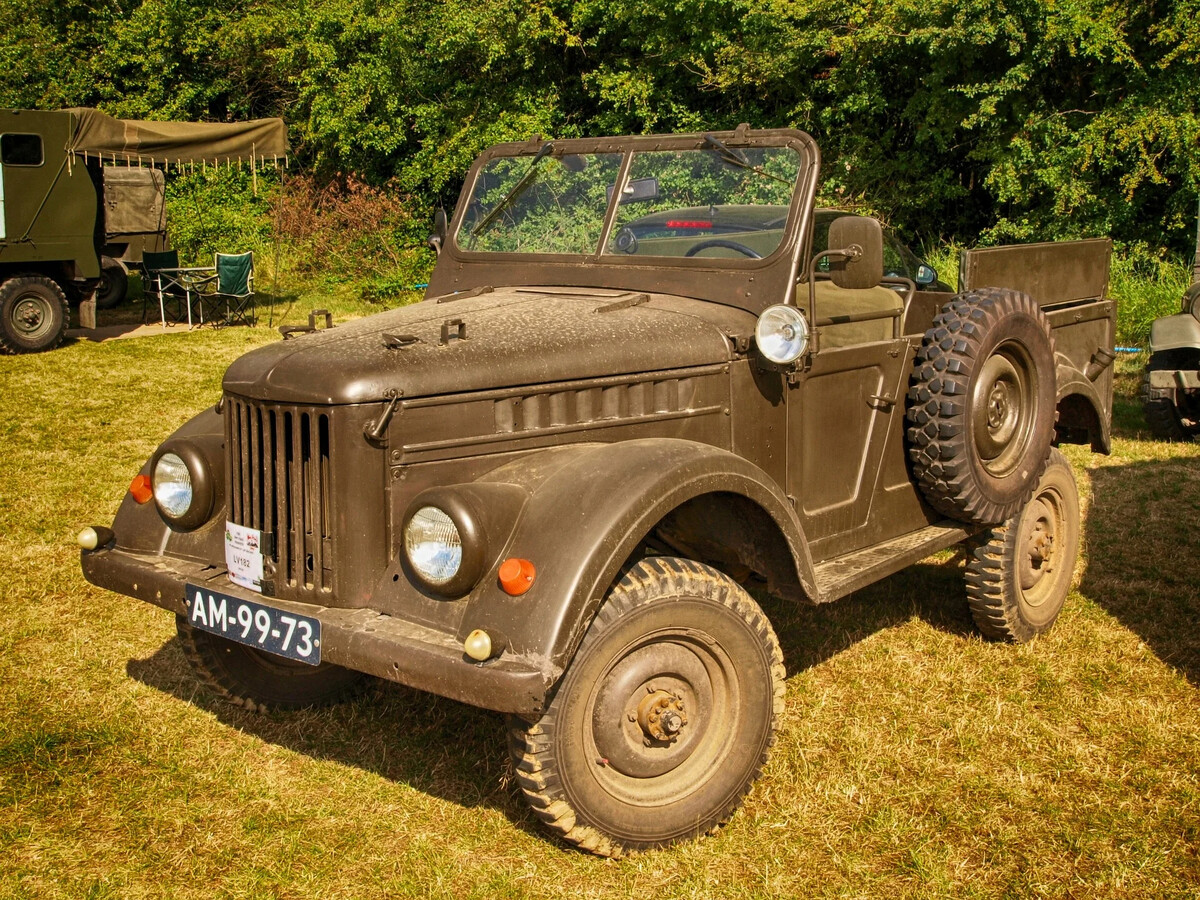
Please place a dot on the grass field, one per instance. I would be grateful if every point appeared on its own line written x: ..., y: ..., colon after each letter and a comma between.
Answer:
x: 914, y: 759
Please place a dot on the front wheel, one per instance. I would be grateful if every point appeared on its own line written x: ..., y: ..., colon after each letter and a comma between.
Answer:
x: 261, y: 681
x: 664, y: 718
x: 1019, y: 578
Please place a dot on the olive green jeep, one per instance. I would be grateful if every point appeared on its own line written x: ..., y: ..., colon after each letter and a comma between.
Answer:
x: 632, y: 390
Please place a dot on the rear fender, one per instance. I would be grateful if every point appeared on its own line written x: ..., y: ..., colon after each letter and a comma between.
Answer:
x: 585, y: 518
x: 1082, y: 416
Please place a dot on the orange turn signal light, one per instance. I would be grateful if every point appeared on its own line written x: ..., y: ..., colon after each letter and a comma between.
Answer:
x: 516, y: 576
x: 141, y: 489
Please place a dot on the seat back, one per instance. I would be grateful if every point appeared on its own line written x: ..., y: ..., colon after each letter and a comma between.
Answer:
x: 164, y: 259
x: 234, y: 273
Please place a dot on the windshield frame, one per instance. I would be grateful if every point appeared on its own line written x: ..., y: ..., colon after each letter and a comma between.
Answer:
x: 731, y: 279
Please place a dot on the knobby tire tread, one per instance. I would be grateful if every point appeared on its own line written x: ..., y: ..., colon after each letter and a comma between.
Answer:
x: 533, y: 753
x: 202, y: 654
x: 939, y: 430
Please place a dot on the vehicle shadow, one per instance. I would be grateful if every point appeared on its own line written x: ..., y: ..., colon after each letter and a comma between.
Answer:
x: 1143, y: 550
x: 458, y: 753
x: 434, y: 745
x: 932, y: 591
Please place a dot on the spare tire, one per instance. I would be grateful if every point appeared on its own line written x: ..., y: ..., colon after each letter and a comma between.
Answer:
x: 981, y: 405
x: 114, y: 283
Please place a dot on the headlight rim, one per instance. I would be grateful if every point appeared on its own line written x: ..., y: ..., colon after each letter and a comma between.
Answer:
x: 470, y: 534
x: 203, y: 485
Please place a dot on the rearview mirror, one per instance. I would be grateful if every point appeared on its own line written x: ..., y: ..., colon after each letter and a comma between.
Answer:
x: 637, y: 191
x: 864, y: 267
x: 925, y: 274
x: 438, y: 238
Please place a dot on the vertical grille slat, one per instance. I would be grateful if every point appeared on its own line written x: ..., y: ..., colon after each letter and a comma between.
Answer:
x: 279, y: 469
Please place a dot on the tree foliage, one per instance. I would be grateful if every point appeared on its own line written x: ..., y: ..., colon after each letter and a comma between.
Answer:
x: 1006, y: 119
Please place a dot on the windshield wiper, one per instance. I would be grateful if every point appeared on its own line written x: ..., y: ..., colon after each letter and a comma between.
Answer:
x: 738, y: 159
x: 519, y: 188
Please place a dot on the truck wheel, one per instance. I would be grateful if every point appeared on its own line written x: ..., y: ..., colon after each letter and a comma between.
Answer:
x: 33, y: 314
x: 261, y: 681
x: 664, y: 718
x: 1164, y: 419
x: 114, y: 283
x: 981, y: 405
x: 1018, y: 579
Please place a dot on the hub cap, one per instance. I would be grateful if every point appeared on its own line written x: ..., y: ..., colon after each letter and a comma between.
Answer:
x: 1005, y: 409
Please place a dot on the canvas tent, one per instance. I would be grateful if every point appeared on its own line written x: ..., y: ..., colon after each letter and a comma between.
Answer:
x: 133, y: 141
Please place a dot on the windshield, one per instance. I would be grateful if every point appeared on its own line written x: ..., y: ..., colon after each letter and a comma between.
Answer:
x: 714, y: 201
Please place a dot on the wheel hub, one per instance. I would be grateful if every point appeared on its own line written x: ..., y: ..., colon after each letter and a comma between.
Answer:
x: 1040, y: 546
x: 1004, y: 411
x: 29, y: 314
x: 660, y: 715
x: 997, y: 407
x: 652, y: 709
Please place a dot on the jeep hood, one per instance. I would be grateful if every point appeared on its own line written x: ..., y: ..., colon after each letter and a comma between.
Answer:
x: 511, y: 336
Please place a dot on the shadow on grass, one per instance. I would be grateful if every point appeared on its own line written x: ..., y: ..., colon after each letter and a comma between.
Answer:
x: 437, y: 746
x: 457, y: 752
x: 932, y: 592
x: 1143, y: 554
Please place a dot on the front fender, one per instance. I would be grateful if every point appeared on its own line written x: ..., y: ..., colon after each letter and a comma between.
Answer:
x: 139, y: 527
x: 1178, y: 332
x: 582, y: 521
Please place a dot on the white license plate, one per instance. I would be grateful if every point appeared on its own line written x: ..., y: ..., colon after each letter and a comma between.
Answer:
x: 255, y: 624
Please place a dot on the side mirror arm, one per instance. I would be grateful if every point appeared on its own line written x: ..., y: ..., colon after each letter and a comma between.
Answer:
x: 854, y: 251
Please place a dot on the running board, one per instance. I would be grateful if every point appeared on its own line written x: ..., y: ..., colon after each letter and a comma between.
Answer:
x: 843, y: 575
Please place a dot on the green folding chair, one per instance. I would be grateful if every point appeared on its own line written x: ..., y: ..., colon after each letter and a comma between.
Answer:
x: 231, y: 297
x: 164, y: 287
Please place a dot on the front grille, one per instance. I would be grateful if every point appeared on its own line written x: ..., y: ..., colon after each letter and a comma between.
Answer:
x: 278, y: 463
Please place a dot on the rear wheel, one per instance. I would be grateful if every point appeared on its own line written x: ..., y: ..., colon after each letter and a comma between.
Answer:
x: 114, y: 283
x: 260, y: 681
x: 1019, y: 577
x: 33, y: 314
x: 664, y: 718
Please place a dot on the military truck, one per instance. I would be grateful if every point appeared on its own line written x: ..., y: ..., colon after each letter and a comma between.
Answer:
x: 76, y: 207
x: 1171, y: 381
x: 548, y: 488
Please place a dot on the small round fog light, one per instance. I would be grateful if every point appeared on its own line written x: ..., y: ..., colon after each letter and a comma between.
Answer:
x: 478, y: 645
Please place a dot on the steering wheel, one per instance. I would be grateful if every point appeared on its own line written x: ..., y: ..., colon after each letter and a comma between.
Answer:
x: 722, y: 242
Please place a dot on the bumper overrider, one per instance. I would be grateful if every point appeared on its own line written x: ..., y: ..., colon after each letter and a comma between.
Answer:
x: 360, y: 639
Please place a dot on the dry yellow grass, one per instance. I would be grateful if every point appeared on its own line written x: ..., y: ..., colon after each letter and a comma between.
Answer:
x: 915, y: 760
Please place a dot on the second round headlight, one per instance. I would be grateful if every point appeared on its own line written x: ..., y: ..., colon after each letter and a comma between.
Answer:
x: 172, y: 483
x: 433, y: 545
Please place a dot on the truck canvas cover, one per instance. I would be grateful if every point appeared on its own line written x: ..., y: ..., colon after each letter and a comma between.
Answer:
x: 132, y: 140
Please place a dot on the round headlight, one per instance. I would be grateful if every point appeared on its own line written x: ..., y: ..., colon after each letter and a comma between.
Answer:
x: 434, y: 545
x: 781, y: 334
x: 186, y: 482
x: 172, y: 482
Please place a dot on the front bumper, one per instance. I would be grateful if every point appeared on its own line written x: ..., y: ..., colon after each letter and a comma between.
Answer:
x: 359, y: 639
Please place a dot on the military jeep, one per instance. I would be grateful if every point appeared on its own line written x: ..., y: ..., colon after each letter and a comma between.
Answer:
x: 631, y: 391
x: 1171, y: 381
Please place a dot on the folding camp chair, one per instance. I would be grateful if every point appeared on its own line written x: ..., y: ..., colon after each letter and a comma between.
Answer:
x: 230, y: 295
x: 164, y: 286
